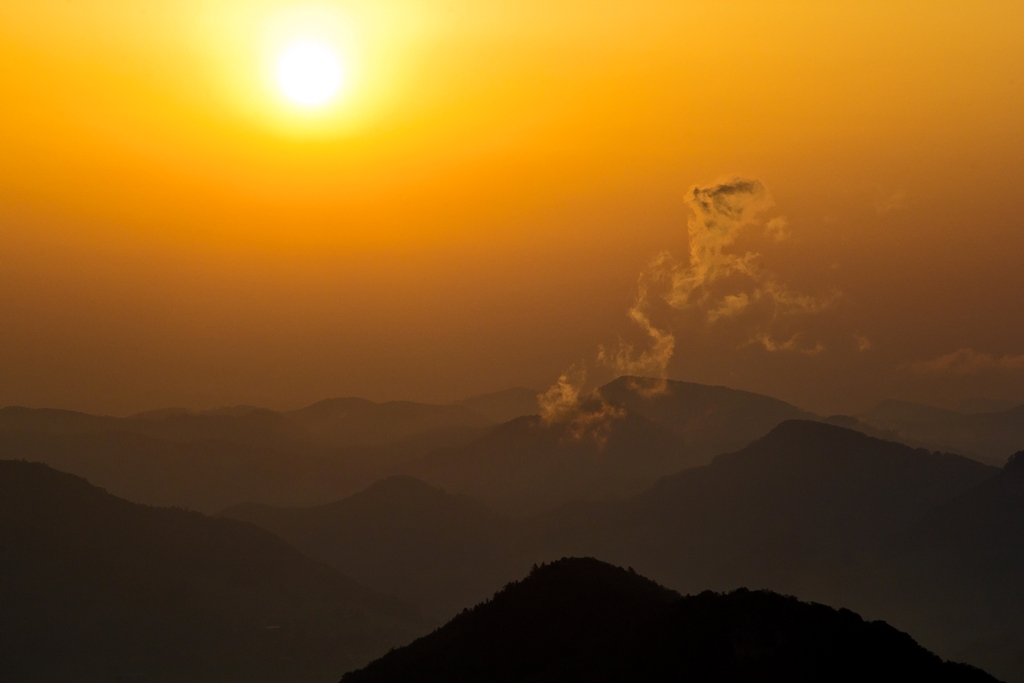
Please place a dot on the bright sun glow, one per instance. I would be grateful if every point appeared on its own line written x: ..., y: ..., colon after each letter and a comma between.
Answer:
x: 309, y: 73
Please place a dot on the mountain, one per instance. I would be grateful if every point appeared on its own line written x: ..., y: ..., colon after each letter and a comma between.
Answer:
x: 208, y: 460
x: 615, y: 444
x: 709, y: 419
x: 810, y: 509
x: 333, y: 423
x: 491, y: 446
x: 529, y: 464
x: 356, y: 421
x: 504, y: 406
x: 964, y: 562
x: 405, y: 538
x: 792, y: 512
x: 200, y: 475
x: 95, y: 588
x: 990, y: 437
x: 583, y: 620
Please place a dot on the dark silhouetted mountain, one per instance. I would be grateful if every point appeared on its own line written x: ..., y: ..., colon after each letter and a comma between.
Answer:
x: 529, y: 465
x: 583, y: 620
x: 403, y: 537
x: 95, y: 588
x: 710, y: 419
x: 503, y: 406
x: 989, y: 437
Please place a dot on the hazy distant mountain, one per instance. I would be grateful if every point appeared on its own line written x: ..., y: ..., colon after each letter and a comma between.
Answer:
x: 502, y: 406
x: 964, y: 562
x: 529, y: 465
x: 95, y: 588
x: 201, y: 475
x: 208, y: 460
x: 403, y: 537
x: 356, y: 421
x: 618, y: 443
x: 710, y: 419
x: 984, y: 405
x: 790, y: 512
x: 990, y: 437
x: 583, y: 620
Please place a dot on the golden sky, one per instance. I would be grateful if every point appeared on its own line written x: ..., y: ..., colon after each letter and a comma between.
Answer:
x: 475, y: 207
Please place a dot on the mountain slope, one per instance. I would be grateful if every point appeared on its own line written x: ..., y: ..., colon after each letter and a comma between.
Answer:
x: 357, y: 421
x: 199, y: 475
x: 96, y: 588
x: 989, y: 437
x: 617, y: 443
x: 583, y: 620
x: 530, y: 465
x: 964, y: 562
x: 504, y: 406
x: 791, y: 511
x: 710, y: 419
x: 405, y: 538
x: 208, y: 460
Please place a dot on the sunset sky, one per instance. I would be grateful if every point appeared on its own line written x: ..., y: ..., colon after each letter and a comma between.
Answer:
x: 482, y: 198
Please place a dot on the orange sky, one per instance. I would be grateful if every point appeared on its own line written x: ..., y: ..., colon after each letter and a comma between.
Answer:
x: 473, y: 212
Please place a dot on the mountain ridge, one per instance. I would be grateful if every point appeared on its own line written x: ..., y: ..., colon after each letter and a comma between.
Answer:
x: 578, y: 619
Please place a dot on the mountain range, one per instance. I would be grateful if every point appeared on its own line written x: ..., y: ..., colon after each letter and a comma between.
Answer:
x: 438, y: 507
x: 810, y: 509
x: 95, y: 588
x: 493, y: 447
x: 989, y: 436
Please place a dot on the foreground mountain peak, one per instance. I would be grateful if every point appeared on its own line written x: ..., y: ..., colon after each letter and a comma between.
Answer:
x: 579, y: 619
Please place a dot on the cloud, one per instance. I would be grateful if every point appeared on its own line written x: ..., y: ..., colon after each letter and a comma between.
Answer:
x: 968, y: 362
x: 723, y: 281
x: 563, y: 398
x: 584, y: 415
x: 772, y: 345
x: 594, y: 421
x: 719, y: 282
x: 731, y: 305
x: 863, y: 343
x: 776, y: 229
x: 720, y: 212
x: 652, y: 362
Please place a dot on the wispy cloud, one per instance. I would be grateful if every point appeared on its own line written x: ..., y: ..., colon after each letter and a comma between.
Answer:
x: 718, y: 281
x: 652, y: 361
x: 559, y: 401
x: 771, y: 344
x: 723, y: 282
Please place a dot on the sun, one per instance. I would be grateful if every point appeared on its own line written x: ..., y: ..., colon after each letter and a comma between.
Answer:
x: 309, y: 73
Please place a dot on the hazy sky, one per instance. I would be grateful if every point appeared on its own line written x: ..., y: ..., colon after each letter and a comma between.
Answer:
x: 483, y: 203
